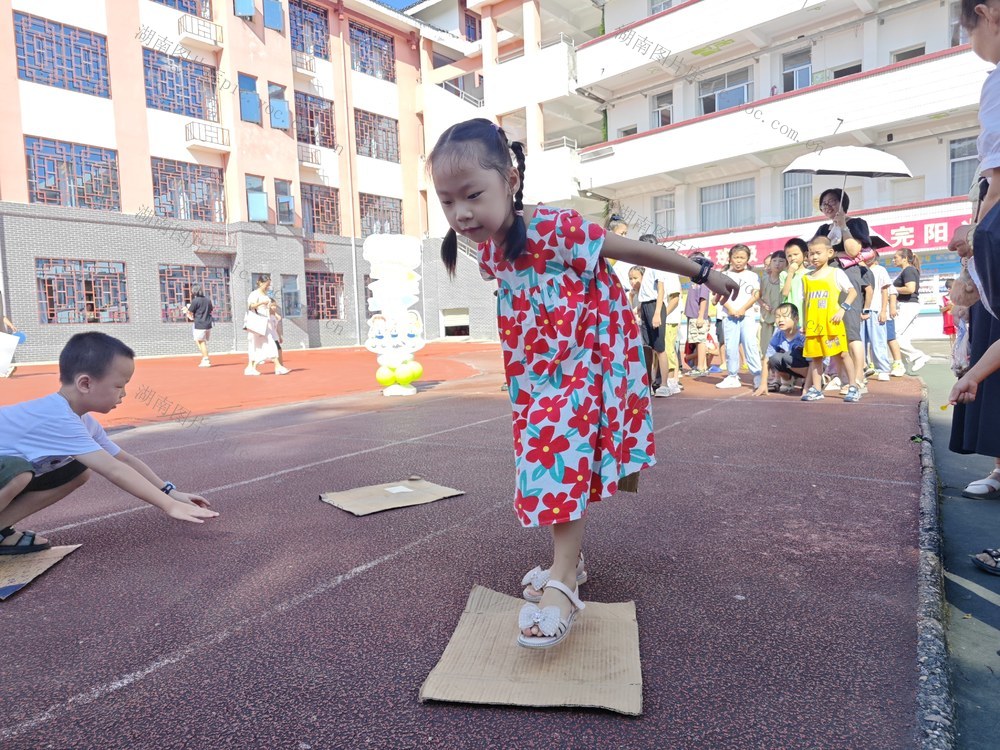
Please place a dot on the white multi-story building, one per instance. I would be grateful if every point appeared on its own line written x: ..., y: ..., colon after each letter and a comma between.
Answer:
x: 682, y: 115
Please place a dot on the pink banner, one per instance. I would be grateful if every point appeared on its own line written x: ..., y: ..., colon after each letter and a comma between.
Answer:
x: 924, y: 234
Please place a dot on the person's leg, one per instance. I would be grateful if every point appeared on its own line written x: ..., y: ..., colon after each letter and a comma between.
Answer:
x: 749, y: 336
x: 856, y: 355
x: 731, y: 334
x: 814, y: 378
x: 567, y: 541
x: 908, y: 312
x: 17, y: 501
x: 879, y: 346
x: 671, y: 363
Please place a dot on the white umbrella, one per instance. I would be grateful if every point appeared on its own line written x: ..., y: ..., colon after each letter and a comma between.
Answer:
x: 854, y: 161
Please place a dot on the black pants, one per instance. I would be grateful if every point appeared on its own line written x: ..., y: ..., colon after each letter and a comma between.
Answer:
x: 785, y: 361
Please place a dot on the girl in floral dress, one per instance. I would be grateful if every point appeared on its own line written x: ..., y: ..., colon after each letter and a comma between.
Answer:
x: 577, y: 382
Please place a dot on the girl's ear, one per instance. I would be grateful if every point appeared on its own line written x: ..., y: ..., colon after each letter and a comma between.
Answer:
x: 513, y: 180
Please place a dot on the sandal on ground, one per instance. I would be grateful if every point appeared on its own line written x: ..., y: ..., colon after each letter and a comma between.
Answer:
x: 549, y: 621
x: 537, y: 577
x: 22, y: 546
x: 993, y: 569
x: 984, y: 489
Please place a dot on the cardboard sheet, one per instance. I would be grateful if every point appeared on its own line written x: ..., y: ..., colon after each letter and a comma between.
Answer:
x: 17, y: 571
x: 597, y: 666
x: 364, y: 500
x: 8, y: 344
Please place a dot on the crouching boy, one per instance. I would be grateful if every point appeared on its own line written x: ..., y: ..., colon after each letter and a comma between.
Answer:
x: 49, y: 447
x: 784, y: 351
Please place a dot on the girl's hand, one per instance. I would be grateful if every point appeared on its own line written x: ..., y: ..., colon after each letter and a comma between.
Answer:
x: 724, y: 287
x: 838, y: 316
x: 761, y: 389
x: 185, y: 497
x: 964, y: 391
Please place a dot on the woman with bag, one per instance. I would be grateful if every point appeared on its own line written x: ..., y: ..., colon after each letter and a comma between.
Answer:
x: 974, y: 425
x: 261, y: 323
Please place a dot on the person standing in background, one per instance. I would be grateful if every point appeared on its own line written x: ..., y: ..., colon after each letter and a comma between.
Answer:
x: 199, y: 312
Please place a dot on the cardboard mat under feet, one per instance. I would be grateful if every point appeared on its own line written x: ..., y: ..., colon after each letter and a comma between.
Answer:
x: 364, y: 500
x: 597, y: 666
x: 17, y: 571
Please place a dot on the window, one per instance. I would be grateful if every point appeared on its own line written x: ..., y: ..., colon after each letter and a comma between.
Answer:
x: 663, y: 215
x: 798, y: 195
x: 908, y: 54
x: 188, y: 191
x: 71, y: 174
x: 626, y: 132
x: 320, y: 210
x: 291, y: 304
x: 81, y: 291
x: 373, y: 53
x: 176, y: 282
x: 256, y: 198
x: 663, y: 107
x: 722, y: 92
x: 274, y: 16
x: 278, y: 107
x: 323, y: 293
x: 473, y: 27
x: 847, y: 70
x: 66, y: 57
x: 310, y: 28
x: 656, y: 6
x: 796, y: 70
x: 202, y: 8
x: 728, y: 205
x: 959, y: 35
x: 377, y: 136
x: 284, y: 202
x: 380, y: 215
x: 314, y: 120
x: 249, y: 101
x: 175, y: 84
x: 964, y: 164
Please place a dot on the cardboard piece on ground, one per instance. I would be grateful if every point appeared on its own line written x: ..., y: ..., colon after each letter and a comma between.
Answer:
x: 17, y: 571
x: 364, y: 500
x: 8, y: 344
x: 597, y: 666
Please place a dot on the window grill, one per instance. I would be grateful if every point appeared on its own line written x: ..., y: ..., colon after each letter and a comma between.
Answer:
x: 175, y: 84
x: 324, y: 291
x: 380, y: 215
x: 71, y: 174
x: 376, y: 136
x: 81, y: 291
x: 54, y: 54
x: 200, y: 8
x: 176, y: 282
x: 310, y: 28
x: 314, y: 123
x: 320, y: 210
x: 373, y: 53
x: 188, y: 191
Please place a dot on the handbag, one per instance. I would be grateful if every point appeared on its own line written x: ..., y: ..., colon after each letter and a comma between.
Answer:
x: 255, y: 323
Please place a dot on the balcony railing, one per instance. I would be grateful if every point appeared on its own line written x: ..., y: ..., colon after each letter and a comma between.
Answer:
x: 303, y: 63
x: 560, y: 39
x: 203, y: 135
x: 309, y: 155
x: 559, y: 143
x: 213, y: 241
x: 313, y: 248
x: 468, y: 248
x: 199, y: 29
x: 451, y: 88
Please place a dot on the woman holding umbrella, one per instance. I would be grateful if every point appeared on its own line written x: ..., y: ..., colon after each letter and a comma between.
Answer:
x: 973, y: 427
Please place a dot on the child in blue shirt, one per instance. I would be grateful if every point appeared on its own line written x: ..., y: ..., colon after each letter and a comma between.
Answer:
x: 784, y: 351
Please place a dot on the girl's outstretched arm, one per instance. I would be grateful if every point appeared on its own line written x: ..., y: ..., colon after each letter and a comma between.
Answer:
x: 656, y: 256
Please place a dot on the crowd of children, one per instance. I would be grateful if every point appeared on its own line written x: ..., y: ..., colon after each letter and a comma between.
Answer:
x: 810, y: 320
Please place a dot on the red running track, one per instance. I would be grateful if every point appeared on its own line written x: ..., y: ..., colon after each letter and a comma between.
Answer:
x: 772, y: 555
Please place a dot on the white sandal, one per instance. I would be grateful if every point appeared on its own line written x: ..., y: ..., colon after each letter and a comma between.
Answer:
x: 984, y: 489
x: 549, y: 621
x: 537, y: 577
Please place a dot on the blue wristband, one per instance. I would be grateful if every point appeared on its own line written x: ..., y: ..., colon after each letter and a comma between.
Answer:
x: 167, y: 488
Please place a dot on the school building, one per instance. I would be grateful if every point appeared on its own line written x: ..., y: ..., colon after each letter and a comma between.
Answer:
x: 150, y: 145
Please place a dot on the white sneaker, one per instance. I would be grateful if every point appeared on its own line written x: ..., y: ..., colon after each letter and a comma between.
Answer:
x: 663, y: 392
x: 919, y: 362
x: 883, y: 376
x: 756, y: 381
x: 674, y: 387
x: 205, y: 362
x: 251, y: 370
x: 834, y: 385
x: 897, y: 370
x: 279, y: 370
x: 730, y: 381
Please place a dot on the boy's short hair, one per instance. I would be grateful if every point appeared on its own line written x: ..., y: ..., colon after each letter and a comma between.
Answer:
x: 788, y: 307
x: 821, y: 242
x: 650, y: 238
x: 640, y: 269
x: 799, y: 243
x: 741, y: 248
x: 778, y: 254
x: 90, y: 353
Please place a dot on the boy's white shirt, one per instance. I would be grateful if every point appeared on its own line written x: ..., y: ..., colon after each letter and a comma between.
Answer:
x: 49, y: 434
x: 672, y: 285
x: 881, y: 282
x: 647, y: 289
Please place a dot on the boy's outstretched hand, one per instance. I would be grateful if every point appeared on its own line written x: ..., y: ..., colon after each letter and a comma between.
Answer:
x: 724, y: 287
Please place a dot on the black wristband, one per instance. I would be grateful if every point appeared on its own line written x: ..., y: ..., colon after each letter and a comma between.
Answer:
x: 706, y: 267
x: 167, y: 488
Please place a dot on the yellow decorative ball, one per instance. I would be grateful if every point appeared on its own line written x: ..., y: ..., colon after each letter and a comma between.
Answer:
x: 405, y: 374
x: 417, y: 369
x: 385, y: 376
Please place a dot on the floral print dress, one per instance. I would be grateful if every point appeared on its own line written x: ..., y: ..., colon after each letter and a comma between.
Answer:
x: 578, y: 385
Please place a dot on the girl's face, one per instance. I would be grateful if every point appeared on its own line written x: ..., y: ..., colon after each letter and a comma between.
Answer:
x: 264, y: 285
x: 778, y: 264
x: 985, y: 37
x: 635, y: 278
x: 794, y: 255
x: 820, y: 255
x: 477, y: 202
x: 738, y: 260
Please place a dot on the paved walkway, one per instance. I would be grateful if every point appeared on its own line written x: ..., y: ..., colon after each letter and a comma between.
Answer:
x: 771, y: 553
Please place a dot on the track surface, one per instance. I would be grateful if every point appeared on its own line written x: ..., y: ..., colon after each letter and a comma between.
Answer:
x: 771, y: 554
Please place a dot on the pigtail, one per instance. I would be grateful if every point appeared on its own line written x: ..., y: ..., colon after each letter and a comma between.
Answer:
x: 517, y: 236
x: 449, y: 251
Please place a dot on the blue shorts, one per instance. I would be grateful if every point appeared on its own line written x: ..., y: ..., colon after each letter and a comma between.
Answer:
x: 890, y: 330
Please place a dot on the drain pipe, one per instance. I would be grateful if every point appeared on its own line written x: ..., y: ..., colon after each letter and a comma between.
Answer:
x: 344, y: 41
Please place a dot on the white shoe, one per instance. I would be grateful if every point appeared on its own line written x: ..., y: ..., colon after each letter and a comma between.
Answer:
x: 919, y: 362
x: 730, y: 381
x: 251, y: 370
x: 663, y: 391
x: 205, y: 362
x: 897, y: 370
x: 883, y: 376
x: 675, y: 388
x: 279, y: 370
x: 834, y: 385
